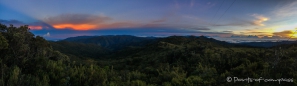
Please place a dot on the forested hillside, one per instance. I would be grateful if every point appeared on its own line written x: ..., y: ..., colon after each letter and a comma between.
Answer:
x: 80, y: 50
x: 112, y: 42
x: 173, y: 61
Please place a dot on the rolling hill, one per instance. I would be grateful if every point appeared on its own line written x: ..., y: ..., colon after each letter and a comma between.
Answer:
x: 112, y: 42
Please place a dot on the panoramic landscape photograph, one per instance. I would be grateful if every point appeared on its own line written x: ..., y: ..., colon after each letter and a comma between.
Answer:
x: 148, y: 42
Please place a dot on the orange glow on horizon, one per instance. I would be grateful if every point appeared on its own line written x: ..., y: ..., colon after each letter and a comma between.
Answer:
x: 35, y: 27
x: 75, y: 26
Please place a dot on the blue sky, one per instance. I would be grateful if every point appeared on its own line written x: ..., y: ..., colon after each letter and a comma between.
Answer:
x: 58, y: 19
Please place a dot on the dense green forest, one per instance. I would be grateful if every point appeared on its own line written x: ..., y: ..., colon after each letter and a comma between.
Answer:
x: 29, y: 60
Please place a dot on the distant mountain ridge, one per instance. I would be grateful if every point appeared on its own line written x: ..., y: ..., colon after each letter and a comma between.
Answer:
x: 112, y: 42
x: 77, y: 38
x: 116, y: 42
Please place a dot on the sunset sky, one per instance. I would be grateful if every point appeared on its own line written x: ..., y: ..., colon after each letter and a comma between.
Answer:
x: 58, y: 19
